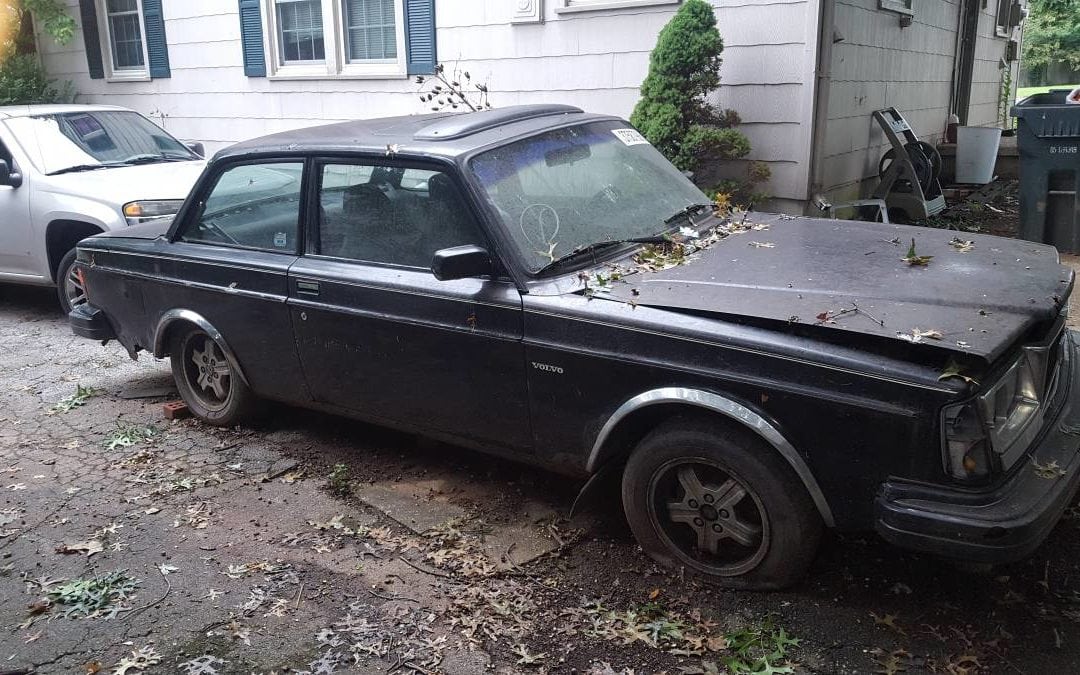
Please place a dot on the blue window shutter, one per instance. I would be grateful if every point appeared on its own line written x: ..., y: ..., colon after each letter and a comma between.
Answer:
x: 157, y: 46
x: 420, y: 51
x: 251, y: 38
x: 91, y: 38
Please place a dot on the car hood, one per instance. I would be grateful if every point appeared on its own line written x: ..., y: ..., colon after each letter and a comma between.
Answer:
x: 815, y: 271
x: 123, y: 184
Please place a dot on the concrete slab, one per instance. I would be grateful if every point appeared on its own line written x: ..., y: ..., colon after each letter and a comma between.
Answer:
x: 424, y: 504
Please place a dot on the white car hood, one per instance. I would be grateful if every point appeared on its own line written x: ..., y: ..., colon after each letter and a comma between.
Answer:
x: 119, y: 185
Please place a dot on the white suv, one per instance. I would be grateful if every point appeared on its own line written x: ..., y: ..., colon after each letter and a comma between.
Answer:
x: 71, y: 171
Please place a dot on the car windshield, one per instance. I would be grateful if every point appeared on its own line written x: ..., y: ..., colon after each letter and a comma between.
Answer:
x: 566, y: 189
x: 91, y: 139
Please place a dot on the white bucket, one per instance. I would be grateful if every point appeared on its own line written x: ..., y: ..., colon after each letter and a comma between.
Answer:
x: 976, y: 154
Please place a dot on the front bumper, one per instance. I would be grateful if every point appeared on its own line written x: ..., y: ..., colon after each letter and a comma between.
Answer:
x: 1005, y: 523
x: 90, y: 322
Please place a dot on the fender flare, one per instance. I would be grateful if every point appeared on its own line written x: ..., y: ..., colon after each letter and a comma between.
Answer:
x: 729, y: 408
x: 186, y: 315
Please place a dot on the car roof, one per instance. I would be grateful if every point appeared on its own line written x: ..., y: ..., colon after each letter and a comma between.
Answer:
x: 7, y: 111
x: 439, y: 134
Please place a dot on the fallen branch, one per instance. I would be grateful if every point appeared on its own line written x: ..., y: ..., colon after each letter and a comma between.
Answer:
x: 391, y: 598
x: 168, y: 590
x: 434, y: 573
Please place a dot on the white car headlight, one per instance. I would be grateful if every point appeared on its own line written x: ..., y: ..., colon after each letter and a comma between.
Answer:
x: 152, y: 210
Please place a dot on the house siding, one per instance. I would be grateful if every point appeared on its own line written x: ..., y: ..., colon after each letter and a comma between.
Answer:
x: 879, y: 64
x: 595, y: 60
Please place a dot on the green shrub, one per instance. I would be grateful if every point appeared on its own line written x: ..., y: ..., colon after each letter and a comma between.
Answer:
x: 674, y: 112
x: 23, y: 80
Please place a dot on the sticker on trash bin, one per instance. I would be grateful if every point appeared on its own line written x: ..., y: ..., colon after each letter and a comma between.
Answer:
x: 281, y: 240
x: 1065, y: 149
x: 630, y: 136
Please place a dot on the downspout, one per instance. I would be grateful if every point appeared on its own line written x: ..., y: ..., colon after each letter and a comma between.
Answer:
x: 954, y: 89
x: 822, y: 85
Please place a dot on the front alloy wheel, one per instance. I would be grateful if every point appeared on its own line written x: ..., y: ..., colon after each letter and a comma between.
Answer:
x: 709, y: 519
x: 207, y: 380
x: 712, y: 497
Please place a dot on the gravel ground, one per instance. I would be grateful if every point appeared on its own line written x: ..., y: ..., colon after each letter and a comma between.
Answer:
x: 131, y: 544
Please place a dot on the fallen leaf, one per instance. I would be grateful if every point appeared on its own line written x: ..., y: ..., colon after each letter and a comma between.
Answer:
x: 952, y: 369
x: 917, y: 335
x: 1049, y: 471
x: 88, y: 547
x: 888, y: 620
x: 962, y: 245
x: 914, y: 259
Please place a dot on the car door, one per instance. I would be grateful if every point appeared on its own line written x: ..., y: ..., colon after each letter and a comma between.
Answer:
x: 228, y: 262
x: 379, y: 335
x: 16, y: 238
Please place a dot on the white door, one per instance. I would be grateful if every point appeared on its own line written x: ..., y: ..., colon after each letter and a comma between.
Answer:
x: 15, y: 229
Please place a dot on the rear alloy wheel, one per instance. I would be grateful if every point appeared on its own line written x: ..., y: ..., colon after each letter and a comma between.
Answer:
x: 715, y: 499
x: 69, y: 283
x: 208, y: 381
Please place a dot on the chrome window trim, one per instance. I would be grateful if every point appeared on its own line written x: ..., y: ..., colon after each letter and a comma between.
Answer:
x: 729, y: 408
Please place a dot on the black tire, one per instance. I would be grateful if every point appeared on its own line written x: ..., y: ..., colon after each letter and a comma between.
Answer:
x: 69, y: 289
x: 762, y: 540
x: 207, y: 381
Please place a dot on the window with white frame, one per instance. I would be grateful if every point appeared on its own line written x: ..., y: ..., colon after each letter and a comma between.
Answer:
x: 336, y: 38
x: 126, y: 47
x: 300, y: 31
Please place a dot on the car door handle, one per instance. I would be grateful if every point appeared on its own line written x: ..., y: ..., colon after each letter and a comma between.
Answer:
x: 309, y: 288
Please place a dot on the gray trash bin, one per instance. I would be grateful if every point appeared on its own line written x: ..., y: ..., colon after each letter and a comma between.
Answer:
x: 1048, y: 135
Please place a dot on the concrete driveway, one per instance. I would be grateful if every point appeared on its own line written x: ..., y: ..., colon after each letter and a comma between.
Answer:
x: 132, y: 544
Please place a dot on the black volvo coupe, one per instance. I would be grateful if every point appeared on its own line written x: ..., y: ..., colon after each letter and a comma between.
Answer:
x: 541, y: 283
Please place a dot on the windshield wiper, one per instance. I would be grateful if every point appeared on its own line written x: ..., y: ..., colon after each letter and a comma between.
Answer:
x: 686, y: 212
x: 79, y: 167
x: 600, y: 245
x: 146, y: 159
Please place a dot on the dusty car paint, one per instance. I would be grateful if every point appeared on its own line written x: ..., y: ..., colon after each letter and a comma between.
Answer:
x: 539, y: 369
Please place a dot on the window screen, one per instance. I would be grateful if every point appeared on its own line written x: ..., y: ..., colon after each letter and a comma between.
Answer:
x: 125, y: 34
x: 300, y: 30
x: 254, y: 206
x: 391, y: 215
x: 370, y: 30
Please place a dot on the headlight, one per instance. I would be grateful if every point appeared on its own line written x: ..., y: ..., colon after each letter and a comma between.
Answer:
x: 967, y: 448
x: 996, y: 428
x: 151, y: 210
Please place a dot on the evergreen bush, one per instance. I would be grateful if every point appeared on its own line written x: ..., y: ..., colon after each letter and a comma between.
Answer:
x: 674, y: 112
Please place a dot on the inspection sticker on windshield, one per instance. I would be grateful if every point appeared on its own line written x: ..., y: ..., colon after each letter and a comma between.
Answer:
x: 629, y: 136
x: 281, y: 240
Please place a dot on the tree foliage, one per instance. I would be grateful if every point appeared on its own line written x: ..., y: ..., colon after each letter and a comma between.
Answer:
x: 1052, y: 34
x: 22, y: 78
x: 674, y: 112
x: 23, y: 81
x: 53, y: 17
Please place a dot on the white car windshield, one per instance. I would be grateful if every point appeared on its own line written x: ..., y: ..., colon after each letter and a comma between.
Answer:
x: 566, y: 189
x: 63, y: 142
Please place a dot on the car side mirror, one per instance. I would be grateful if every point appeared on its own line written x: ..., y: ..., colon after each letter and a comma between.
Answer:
x: 196, y: 147
x: 461, y: 262
x: 9, y: 176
